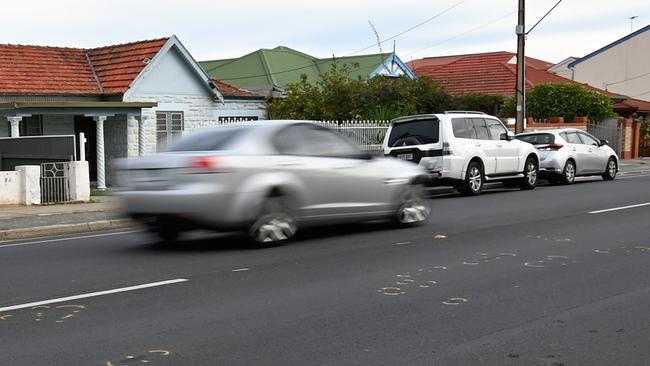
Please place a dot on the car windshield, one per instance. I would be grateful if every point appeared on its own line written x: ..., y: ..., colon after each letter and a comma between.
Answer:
x: 538, y: 138
x: 216, y: 139
x: 418, y: 132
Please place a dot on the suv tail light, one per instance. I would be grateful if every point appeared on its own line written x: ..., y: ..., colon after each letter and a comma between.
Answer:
x: 207, y: 164
x: 446, y: 149
x: 551, y: 147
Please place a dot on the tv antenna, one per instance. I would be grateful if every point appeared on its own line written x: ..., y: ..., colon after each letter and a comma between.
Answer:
x: 632, y: 22
x: 374, y: 30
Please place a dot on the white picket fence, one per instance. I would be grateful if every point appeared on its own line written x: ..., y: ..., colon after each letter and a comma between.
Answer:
x: 369, y: 134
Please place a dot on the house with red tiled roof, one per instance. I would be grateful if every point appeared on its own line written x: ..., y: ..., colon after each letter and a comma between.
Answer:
x: 128, y: 99
x: 495, y: 73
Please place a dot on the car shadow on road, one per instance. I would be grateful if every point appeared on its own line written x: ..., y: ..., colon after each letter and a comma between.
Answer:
x: 194, y: 242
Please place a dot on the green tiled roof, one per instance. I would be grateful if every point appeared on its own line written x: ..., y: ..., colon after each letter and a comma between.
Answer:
x: 280, y: 66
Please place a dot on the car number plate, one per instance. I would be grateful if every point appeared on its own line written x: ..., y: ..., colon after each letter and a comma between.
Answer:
x: 405, y: 156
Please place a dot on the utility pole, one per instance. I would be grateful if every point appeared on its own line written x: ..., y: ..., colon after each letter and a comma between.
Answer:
x: 521, y: 67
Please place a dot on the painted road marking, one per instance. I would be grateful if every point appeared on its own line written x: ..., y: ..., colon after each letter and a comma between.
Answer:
x: 240, y: 269
x: 92, y: 294
x: 620, y: 208
x: 63, y: 239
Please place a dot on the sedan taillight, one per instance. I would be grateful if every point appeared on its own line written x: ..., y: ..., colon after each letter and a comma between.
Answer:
x: 207, y: 164
x: 550, y: 147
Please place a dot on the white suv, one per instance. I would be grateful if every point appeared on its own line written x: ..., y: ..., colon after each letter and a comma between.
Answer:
x: 463, y: 150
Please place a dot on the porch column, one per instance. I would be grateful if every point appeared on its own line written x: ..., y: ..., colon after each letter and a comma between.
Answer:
x: 101, y: 172
x: 141, y: 134
x: 15, y: 125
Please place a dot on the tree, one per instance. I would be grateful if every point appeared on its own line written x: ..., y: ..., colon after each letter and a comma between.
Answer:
x: 338, y: 96
x: 568, y: 100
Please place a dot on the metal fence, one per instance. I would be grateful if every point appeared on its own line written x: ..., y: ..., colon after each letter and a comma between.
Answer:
x: 55, y: 182
x: 367, y: 134
x: 608, y: 130
x: 644, y: 147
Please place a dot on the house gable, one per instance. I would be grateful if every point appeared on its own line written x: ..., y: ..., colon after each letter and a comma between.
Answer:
x: 173, y: 72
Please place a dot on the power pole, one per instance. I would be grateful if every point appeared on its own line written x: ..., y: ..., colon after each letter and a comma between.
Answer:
x: 521, y: 67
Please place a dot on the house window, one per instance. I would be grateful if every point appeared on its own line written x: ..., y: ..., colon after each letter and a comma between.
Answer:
x: 169, y: 128
x: 29, y: 126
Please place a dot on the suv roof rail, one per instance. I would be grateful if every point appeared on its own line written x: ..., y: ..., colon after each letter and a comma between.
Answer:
x: 464, y: 112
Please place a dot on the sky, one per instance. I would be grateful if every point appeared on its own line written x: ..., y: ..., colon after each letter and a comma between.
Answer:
x: 220, y: 29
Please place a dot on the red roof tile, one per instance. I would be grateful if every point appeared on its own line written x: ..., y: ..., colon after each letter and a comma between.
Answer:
x: 229, y: 90
x: 117, y: 66
x: 38, y: 70
x: 487, y: 73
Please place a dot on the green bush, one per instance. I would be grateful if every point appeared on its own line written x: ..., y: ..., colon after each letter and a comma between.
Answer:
x: 337, y: 96
x: 568, y: 100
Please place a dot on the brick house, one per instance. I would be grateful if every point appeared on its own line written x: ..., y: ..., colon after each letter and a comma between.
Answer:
x: 128, y: 99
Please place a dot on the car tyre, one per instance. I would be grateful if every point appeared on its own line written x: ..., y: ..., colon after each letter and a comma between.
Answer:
x: 412, y: 207
x: 611, y: 170
x: 568, y: 173
x: 275, y: 223
x: 531, y: 171
x: 474, y: 179
x: 168, y: 233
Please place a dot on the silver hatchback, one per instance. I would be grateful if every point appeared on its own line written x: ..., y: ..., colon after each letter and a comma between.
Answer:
x: 567, y: 153
x: 268, y: 178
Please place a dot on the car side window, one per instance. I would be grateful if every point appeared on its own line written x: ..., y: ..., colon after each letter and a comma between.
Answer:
x: 496, y: 129
x: 572, y: 138
x: 481, y: 128
x: 309, y: 140
x: 588, y: 140
x: 463, y: 128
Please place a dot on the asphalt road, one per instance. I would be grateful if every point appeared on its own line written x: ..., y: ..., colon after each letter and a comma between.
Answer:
x: 507, y: 278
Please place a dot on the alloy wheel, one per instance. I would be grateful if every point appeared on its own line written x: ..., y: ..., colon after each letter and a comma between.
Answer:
x: 475, y: 178
x: 412, y: 209
x: 274, y: 224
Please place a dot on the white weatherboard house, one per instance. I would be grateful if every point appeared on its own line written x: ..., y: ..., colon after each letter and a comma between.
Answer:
x: 621, y: 67
x: 128, y: 99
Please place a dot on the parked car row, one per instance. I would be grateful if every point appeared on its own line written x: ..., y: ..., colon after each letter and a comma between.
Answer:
x: 268, y: 178
x: 467, y: 149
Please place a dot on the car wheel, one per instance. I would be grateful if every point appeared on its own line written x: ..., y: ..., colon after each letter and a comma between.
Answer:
x: 568, y: 173
x: 612, y: 168
x: 412, y: 208
x: 275, y: 223
x: 168, y: 234
x: 474, y: 179
x: 531, y: 168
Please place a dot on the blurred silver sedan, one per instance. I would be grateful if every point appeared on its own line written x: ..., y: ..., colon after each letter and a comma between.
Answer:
x: 567, y: 153
x: 268, y: 178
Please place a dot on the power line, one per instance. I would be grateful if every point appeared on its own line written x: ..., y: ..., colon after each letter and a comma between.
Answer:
x: 413, y: 27
x: 350, y: 54
x: 628, y: 79
x: 464, y: 33
x: 542, y: 18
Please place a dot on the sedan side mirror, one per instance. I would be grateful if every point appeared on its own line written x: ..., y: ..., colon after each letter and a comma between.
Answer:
x: 604, y: 142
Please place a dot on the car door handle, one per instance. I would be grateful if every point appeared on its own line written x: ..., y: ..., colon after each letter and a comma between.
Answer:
x: 574, y: 149
x: 287, y: 163
x: 477, y: 144
x: 591, y: 150
x: 499, y: 145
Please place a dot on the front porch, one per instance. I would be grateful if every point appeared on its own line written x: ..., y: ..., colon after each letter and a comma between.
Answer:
x: 111, y: 129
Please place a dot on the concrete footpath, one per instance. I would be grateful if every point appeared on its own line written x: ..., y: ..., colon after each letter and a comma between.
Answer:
x: 23, y: 222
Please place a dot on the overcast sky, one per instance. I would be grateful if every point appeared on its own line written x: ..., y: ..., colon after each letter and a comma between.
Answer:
x: 218, y: 29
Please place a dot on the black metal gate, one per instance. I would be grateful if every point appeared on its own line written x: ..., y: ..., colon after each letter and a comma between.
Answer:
x: 609, y: 130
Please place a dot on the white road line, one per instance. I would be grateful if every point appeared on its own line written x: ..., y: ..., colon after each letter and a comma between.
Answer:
x: 620, y: 208
x: 63, y: 239
x: 91, y: 294
x: 240, y: 269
